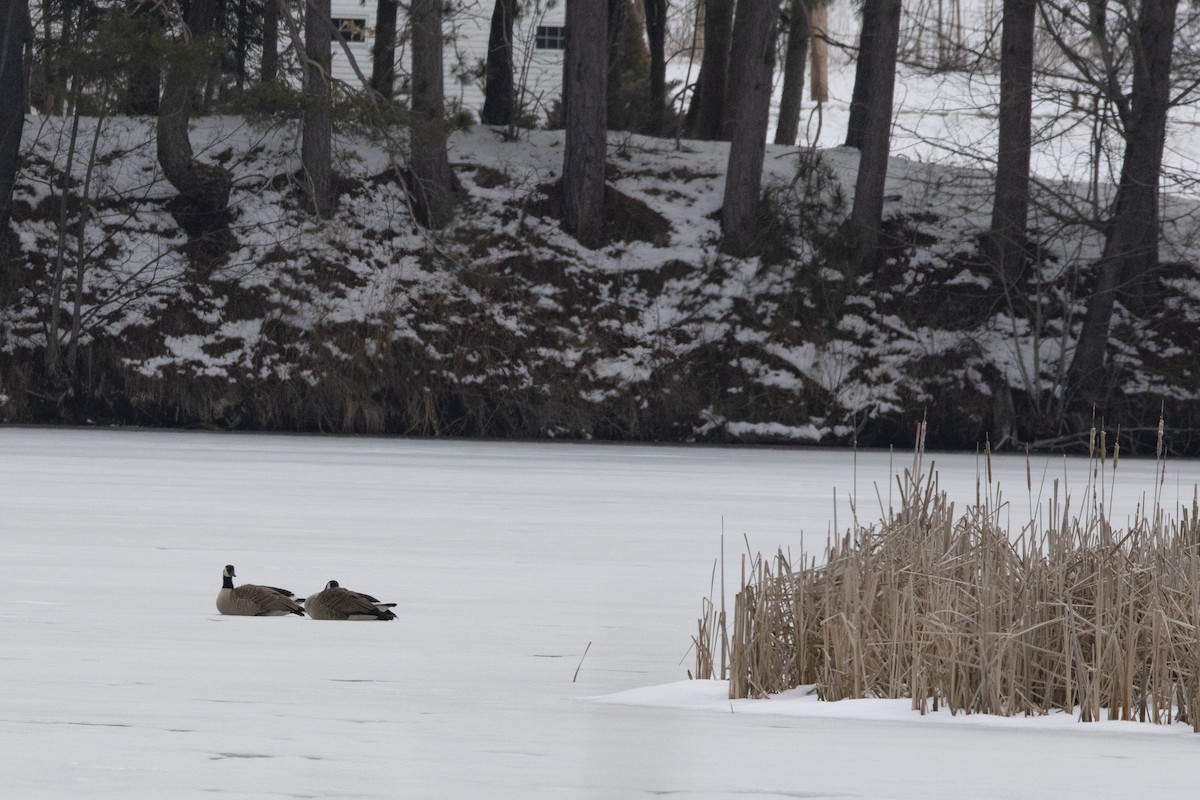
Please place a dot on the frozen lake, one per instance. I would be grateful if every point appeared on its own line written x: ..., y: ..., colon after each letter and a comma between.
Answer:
x: 120, y: 680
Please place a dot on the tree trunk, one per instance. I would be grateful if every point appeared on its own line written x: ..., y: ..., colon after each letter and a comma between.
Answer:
x: 617, y: 116
x: 1010, y: 209
x: 706, y: 117
x: 383, y: 54
x: 866, y: 215
x: 316, y: 147
x: 865, y: 68
x: 1098, y: 25
x: 14, y: 30
x: 586, y: 120
x: 433, y: 181
x: 241, y: 43
x: 819, y: 50
x: 1130, y: 256
x: 788, y: 127
x: 656, y: 38
x: 749, y: 106
x: 499, y: 101
x: 145, y: 66
x: 46, y: 96
x: 205, y: 186
x: 270, y: 40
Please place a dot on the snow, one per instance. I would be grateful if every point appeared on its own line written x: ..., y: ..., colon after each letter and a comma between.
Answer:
x: 509, y: 561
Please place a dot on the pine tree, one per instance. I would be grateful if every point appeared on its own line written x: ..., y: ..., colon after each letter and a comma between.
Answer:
x: 1010, y: 210
x: 433, y: 181
x: 749, y: 105
x: 499, y: 101
x: 316, y: 148
x: 206, y: 187
x: 585, y: 89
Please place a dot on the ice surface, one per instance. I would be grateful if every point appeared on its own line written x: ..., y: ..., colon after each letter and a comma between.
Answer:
x: 120, y: 680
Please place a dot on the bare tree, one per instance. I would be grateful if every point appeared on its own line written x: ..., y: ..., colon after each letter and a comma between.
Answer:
x: 1128, y: 265
x: 866, y: 215
x: 1010, y: 209
x: 14, y: 30
x: 706, y: 115
x: 205, y: 186
x: 433, y: 182
x: 316, y: 146
x: 749, y: 110
x: 383, y: 54
x: 799, y: 30
x: 499, y: 94
x: 585, y: 87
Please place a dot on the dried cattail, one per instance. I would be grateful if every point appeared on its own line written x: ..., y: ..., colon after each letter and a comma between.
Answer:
x: 950, y: 610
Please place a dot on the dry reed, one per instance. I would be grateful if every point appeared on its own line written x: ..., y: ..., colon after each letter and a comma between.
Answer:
x: 1066, y: 615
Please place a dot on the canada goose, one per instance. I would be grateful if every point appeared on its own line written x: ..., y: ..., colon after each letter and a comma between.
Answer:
x: 335, y: 602
x: 250, y: 600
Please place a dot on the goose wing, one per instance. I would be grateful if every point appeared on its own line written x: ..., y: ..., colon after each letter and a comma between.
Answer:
x: 267, y: 600
x: 336, y: 602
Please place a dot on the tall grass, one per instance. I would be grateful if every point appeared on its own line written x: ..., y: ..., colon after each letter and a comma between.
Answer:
x: 952, y: 609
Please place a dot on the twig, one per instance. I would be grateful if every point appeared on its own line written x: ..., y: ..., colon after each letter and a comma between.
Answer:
x: 581, y: 658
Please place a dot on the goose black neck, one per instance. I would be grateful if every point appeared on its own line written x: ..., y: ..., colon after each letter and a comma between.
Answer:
x: 227, y: 582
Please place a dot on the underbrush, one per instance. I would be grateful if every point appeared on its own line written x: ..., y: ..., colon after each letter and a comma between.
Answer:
x: 952, y: 609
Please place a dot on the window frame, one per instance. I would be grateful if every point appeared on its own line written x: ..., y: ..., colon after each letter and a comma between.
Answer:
x: 550, y: 38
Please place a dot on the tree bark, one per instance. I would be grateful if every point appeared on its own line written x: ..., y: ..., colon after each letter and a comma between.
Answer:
x: 205, y: 186
x: 14, y: 30
x: 750, y: 105
x: 866, y: 215
x: 586, y: 120
x: 618, y: 112
x: 706, y: 117
x: 818, y: 89
x: 866, y: 67
x: 1128, y: 266
x: 270, y: 40
x: 499, y: 101
x: 383, y: 54
x: 788, y: 127
x: 316, y: 148
x: 433, y: 180
x: 656, y: 38
x: 1010, y: 210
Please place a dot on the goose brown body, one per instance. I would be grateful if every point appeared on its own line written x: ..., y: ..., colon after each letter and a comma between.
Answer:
x: 252, y: 600
x: 337, y: 602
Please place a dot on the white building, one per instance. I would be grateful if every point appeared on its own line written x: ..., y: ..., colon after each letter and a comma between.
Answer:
x: 539, y: 38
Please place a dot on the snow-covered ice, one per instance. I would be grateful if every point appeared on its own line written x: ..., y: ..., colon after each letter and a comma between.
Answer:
x: 119, y: 679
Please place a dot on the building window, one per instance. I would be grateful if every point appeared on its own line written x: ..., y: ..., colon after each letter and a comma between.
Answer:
x: 351, y: 30
x: 550, y: 37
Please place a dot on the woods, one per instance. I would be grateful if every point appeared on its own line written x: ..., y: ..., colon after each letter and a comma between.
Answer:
x: 1062, y: 215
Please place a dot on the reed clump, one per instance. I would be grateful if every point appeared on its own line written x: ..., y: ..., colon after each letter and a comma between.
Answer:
x: 951, y: 610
